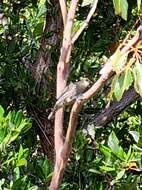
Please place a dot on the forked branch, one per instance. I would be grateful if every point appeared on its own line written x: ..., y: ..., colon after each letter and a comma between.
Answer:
x: 90, y: 93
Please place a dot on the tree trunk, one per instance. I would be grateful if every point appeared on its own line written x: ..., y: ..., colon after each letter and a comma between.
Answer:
x: 50, y: 42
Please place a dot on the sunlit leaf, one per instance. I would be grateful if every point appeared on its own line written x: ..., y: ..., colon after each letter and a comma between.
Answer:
x: 115, y: 59
x: 105, y: 150
x: 17, y: 172
x: 137, y: 71
x: 18, y: 118
x: 21, y: 152
x: 3, y: 132
x: 113, y: 143
x: 2, y: 182
x: 22, y: 162
x: 128, y: 79
x: 118, y: 83
x: 121, y: 8
x: 120, y: 174
x: 122, y: 83
x: 139, y: 5
x: 41, y: 10
x: 94, y: 171
x: 1, y: 111
x: 86, y: 2
x: 129, y: 154
x: 135, y: 135
x: 107, y: 168
x: 118, y: 61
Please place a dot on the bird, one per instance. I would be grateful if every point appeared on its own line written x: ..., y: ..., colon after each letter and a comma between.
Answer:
x: 70, y: 94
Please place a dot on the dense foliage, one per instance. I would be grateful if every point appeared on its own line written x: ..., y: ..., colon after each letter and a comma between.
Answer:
x: 102, y: 157
x: 21, y: 165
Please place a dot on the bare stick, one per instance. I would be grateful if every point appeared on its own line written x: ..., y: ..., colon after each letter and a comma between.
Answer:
x: 85, y: 23
x: 63, y: 10
x: 62, y: 74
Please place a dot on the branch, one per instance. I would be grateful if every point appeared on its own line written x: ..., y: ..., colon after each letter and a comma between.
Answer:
x: 108, y: 114
x: 63, y: 11
x: 63, y: 149
x: 86, y: 96
x: 62, y: 74
x: 85, y: 23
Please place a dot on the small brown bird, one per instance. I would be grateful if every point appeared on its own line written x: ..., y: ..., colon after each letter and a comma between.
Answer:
x: 70, y: 94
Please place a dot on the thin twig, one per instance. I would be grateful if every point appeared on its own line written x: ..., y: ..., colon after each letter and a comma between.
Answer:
x: 63, y: 7
x: 85, y: 23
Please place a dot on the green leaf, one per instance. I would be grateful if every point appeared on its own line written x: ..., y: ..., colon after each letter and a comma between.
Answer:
x: 118, y: 61
x: 122, y: 83
x: 17, y: 172
x: 77, y: 156
x: 1, y: 111
x: 22, y: 152
x: 43, y: 169
x: 22, y: 162
x: 20, y: 183
x: 76, y: 26
x: 3, y: 133
x: 14, y: 135
x: 135, y: 147
x: 118, y: 83
x: 2, y: 181
x: 137, y: 71
x: 107, y: 168
x: 41, y: 10
x: 33, y: 188
x: 135, y: 135
x: 120, y: 175
x: 139, y: 4
x: 46, y: 167
x: 128, y: 154
x: 11, y: 46
x: 105, y: 150
x: 86, y: 2
x: 92, y: 170
x: 128, y: 79
x: 18, y: 118
x: 115, y: 59
x: 38, y: 29
x: 113, y: 143
x: 121, y: 8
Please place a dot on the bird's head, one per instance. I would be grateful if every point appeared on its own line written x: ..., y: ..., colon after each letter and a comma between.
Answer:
x: 85, y: 84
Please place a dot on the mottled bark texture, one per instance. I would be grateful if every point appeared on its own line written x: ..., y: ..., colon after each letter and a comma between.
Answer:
x: 41, y: 72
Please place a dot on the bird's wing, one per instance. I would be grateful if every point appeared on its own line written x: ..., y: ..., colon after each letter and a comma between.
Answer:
x: 66, y: 89
x: 67, y: 95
